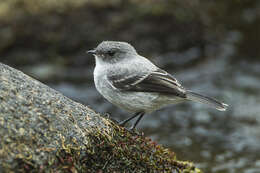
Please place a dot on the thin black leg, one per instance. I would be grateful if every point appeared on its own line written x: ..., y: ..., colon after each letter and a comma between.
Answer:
x: 138, y: 120
x: 122, y: 123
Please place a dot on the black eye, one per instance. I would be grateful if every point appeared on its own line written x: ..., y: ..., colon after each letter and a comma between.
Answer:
x: 111, y: 53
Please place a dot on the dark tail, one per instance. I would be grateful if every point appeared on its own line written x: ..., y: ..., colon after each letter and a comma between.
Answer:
x: 206, y: 100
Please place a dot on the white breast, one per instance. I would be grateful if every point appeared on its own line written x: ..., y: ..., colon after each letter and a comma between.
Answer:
x: 130, y: 101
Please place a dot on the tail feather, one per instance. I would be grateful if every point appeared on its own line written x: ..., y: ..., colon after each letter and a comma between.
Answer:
x: 206, y: 100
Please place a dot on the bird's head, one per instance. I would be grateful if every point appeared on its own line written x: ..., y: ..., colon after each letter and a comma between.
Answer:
x: 113, y: 51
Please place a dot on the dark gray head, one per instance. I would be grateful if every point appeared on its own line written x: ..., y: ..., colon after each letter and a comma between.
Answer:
x: 113, y: 50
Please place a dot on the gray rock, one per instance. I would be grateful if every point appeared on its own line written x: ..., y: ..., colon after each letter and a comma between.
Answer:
x: 43, y: 131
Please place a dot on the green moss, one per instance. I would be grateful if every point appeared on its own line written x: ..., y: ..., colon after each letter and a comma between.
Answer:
x: 108, y: 151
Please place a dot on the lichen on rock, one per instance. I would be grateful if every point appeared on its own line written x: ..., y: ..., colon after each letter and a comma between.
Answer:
x: 43, y: 131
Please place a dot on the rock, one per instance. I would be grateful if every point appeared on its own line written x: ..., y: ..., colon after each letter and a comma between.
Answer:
x: 41, y: 131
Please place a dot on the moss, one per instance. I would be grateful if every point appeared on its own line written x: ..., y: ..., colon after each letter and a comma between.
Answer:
x: 132, y: 151
x: 107, y: 151
x: 43, y: 131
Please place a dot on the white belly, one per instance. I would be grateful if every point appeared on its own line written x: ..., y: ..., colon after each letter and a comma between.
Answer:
x: 134, y: 101
x: 129, y: 100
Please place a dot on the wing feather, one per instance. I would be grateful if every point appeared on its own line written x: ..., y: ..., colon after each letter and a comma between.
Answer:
x: 157, y: 81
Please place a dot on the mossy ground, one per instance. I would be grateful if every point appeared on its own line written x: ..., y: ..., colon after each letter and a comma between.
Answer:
x: 43, y: 131
x: 118, y: 150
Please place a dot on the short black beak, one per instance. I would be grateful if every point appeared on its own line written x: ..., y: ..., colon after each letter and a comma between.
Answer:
x: 93, y: 52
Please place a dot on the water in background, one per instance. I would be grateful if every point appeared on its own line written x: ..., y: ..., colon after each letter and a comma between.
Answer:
x: 209, y: 46
x: 216, y: 141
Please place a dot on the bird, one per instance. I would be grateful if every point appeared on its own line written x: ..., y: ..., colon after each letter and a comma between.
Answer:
x: 133, y: 83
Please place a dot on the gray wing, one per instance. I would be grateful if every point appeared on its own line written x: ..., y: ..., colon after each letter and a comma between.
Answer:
x: 157, y: 81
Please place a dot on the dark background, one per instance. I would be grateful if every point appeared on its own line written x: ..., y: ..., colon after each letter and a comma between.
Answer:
x: 212, y: 47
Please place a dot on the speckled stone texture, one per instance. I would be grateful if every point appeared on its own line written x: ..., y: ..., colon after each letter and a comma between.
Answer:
x: 43, y: 131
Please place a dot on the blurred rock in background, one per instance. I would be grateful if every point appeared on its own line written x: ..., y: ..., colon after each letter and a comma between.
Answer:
x: 34, y: 32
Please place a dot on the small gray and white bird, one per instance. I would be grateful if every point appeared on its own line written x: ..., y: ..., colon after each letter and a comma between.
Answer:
x: 135, y: 84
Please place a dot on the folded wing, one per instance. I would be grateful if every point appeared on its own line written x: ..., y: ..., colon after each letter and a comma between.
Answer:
x: 157, y: 81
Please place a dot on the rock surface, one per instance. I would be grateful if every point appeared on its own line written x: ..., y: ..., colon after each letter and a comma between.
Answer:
x: 42, y: 131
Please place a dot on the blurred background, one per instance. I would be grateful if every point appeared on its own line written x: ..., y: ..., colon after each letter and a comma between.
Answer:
x: 212, y: 47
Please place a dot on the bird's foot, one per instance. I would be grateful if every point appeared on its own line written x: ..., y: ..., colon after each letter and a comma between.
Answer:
x: 139, y: 114
x: 132, y: 128
x: 122, y: 123
x: 107, y: 115
x: 135, y: 131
